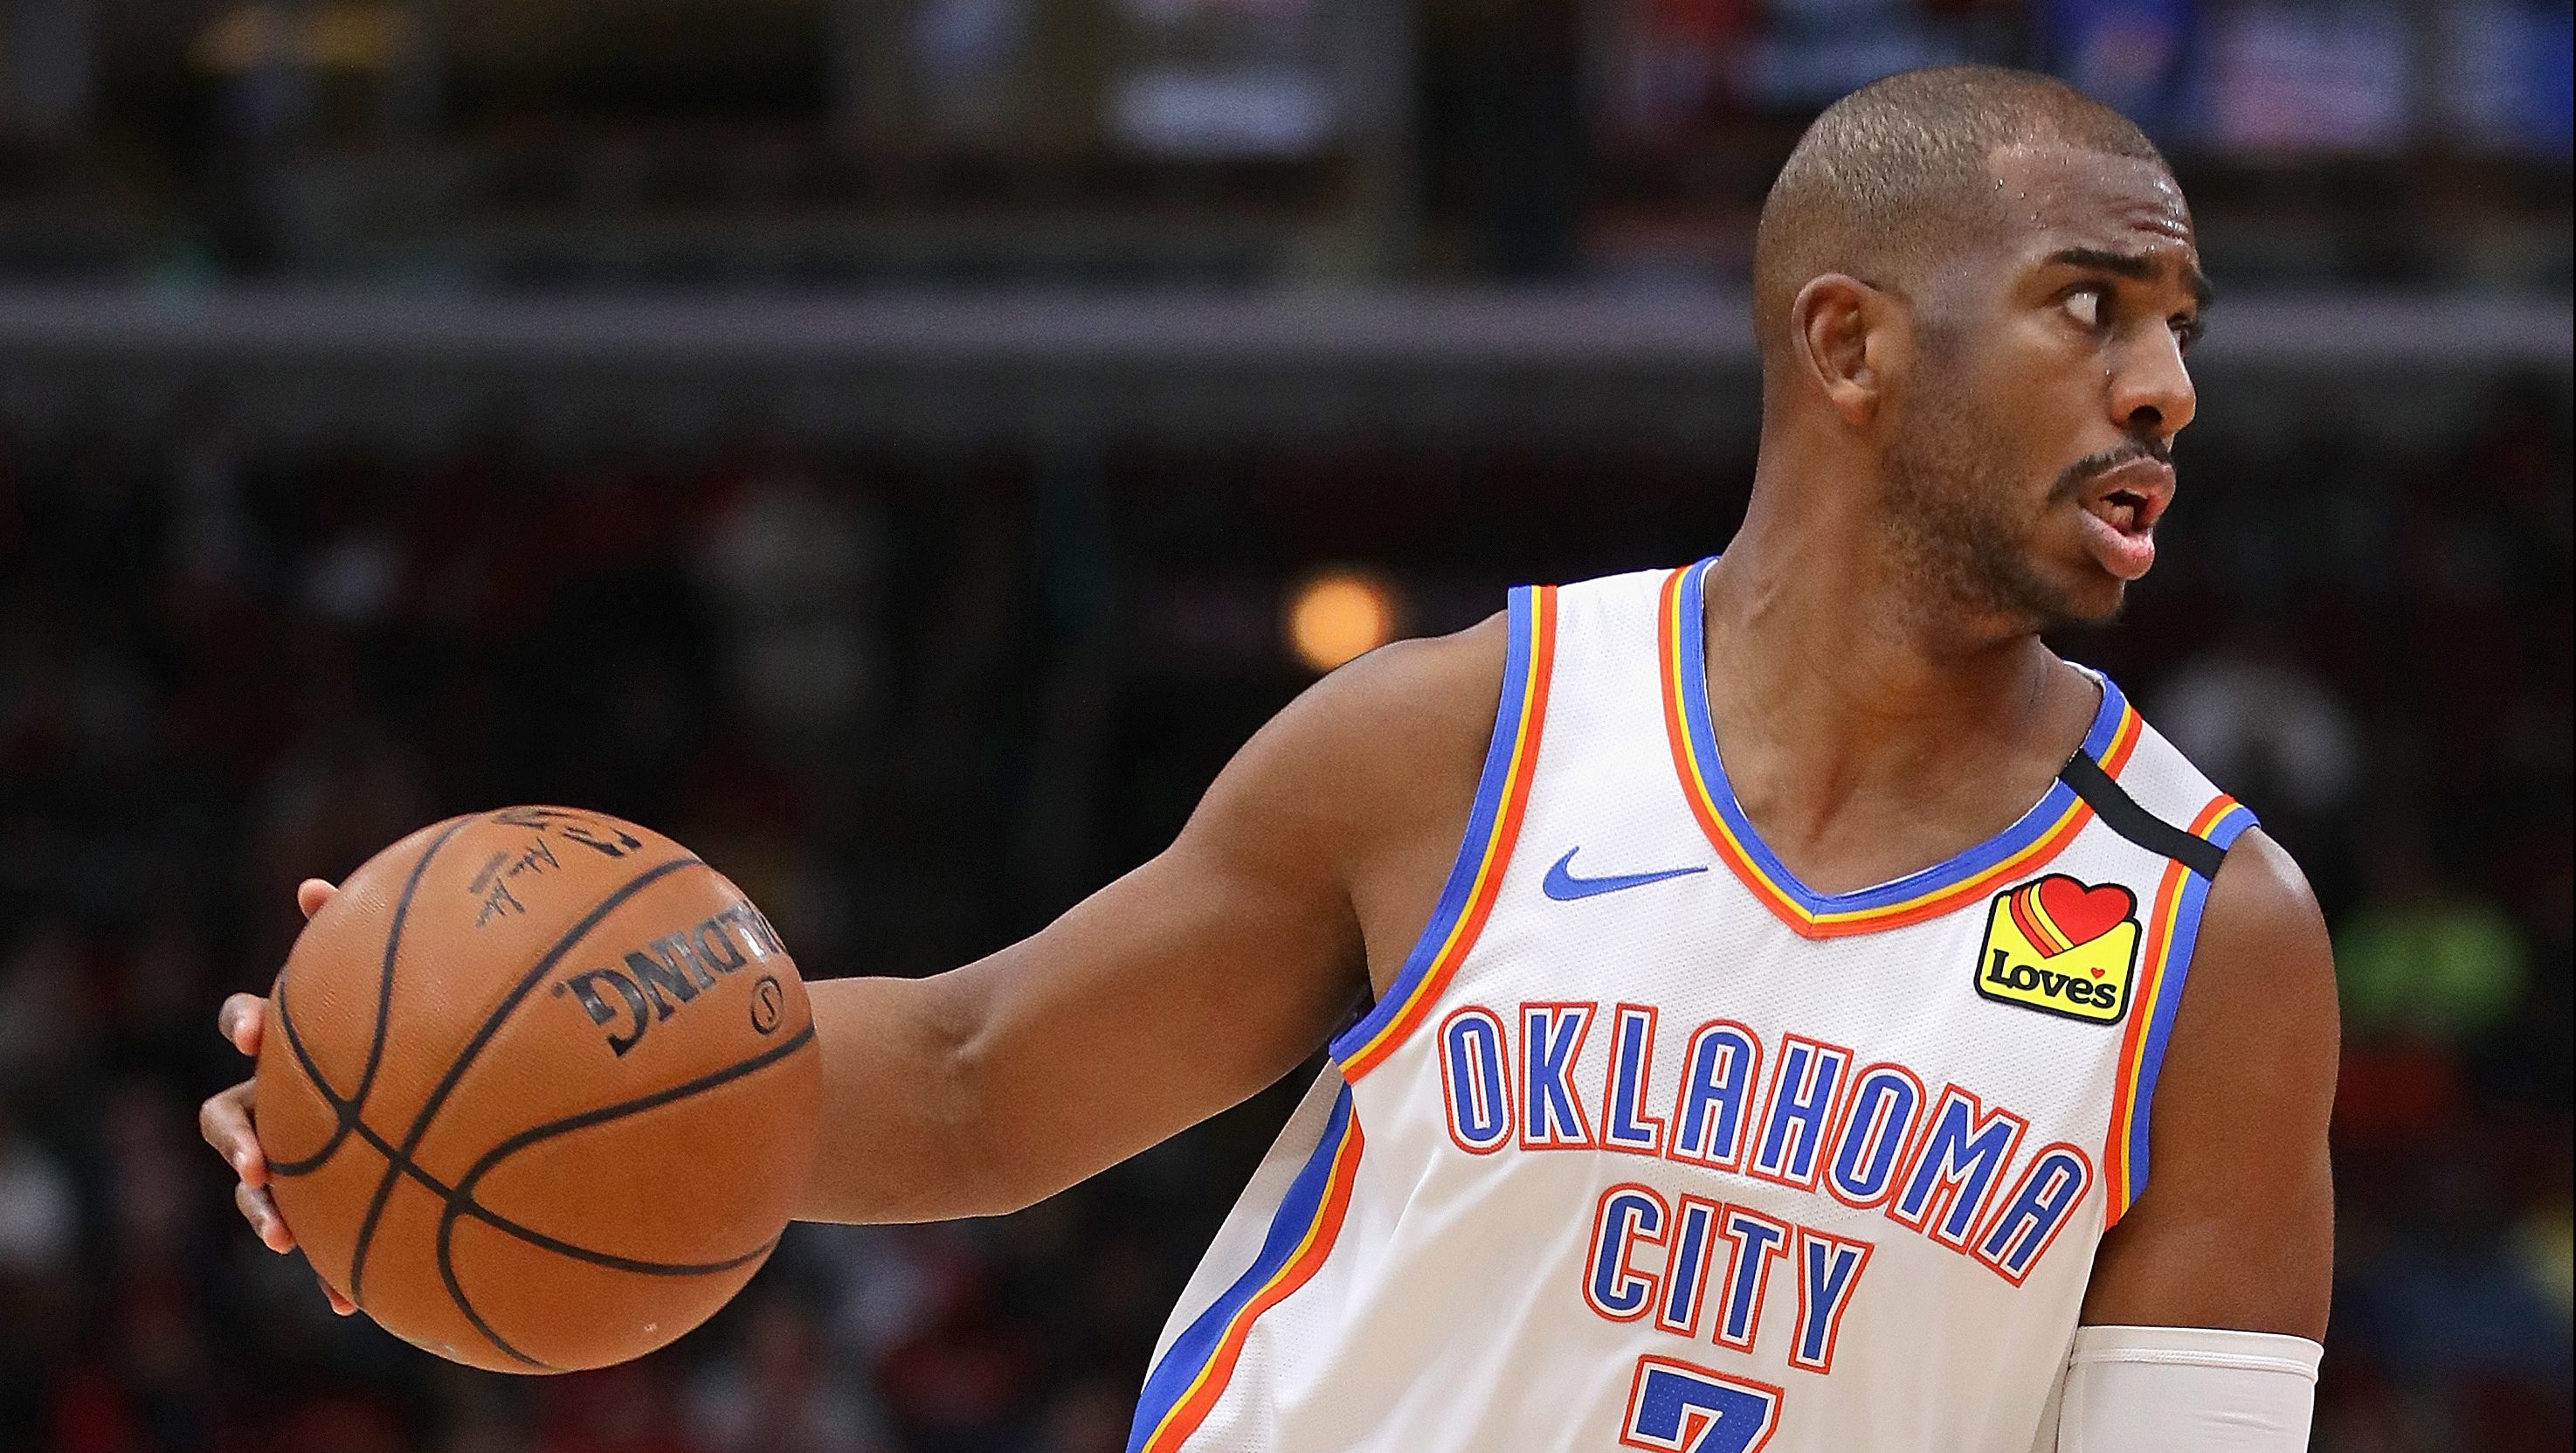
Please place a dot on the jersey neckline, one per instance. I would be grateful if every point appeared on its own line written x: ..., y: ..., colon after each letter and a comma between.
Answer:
x: 2032, y: 839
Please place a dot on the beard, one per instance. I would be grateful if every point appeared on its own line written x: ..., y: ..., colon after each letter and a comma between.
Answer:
x: 1957, y: 525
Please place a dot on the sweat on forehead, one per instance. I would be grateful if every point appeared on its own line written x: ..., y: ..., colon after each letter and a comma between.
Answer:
x: 1900, y: 170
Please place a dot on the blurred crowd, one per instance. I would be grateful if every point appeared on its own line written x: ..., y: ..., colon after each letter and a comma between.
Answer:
x: 700, y: 144
x: 918, y: 703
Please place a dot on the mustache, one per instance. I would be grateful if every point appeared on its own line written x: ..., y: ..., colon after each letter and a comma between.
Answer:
x: 2093, y: 466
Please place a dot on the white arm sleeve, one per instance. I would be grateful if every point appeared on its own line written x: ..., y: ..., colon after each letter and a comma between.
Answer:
x: 2187, y: 1390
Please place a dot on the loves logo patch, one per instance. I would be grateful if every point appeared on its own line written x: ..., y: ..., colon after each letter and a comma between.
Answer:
x: 2061, y: 947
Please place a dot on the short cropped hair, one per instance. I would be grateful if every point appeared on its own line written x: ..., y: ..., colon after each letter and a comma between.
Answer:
x: 1900, y: 171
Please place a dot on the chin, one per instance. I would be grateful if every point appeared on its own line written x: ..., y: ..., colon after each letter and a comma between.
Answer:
x: 2094, y: 603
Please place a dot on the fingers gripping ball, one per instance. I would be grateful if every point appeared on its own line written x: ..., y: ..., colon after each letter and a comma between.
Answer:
x: 537, y: 1089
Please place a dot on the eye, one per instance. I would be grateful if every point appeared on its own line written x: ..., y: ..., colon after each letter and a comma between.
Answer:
x: 2084, y: 305
x: 2187, y: 329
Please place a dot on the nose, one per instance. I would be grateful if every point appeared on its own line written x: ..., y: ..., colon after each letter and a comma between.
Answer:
x: 2151, y: 392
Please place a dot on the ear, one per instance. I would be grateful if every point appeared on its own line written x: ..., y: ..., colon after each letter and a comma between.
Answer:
x: 1849, y: 335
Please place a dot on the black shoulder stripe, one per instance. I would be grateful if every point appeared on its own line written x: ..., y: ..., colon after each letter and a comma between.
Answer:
x: 2121, y: 813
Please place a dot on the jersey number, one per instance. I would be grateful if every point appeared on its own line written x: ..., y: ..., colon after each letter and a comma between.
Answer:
x: 1677, y: 1408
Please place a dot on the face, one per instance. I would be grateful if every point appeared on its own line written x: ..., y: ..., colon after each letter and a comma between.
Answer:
x: 2028, y: 460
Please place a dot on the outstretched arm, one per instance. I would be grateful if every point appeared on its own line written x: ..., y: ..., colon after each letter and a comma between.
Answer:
x: 1184, y: 987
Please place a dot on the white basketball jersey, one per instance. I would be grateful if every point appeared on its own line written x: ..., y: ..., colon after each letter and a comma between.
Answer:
x: 1651, y: 1146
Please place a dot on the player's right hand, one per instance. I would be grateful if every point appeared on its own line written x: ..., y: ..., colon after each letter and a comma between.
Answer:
x: 225, y: 1119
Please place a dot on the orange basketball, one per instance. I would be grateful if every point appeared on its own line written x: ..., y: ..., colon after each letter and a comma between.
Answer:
x: 538, y: 1089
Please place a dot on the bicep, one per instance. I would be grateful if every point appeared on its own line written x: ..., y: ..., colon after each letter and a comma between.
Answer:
x: 1202, y: 977
x: 1177, y: 991
x: 2235, y: 1228
x: 1183, y: 988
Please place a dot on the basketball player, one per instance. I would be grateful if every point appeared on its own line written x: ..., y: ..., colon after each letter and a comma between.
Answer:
x: 1802, y: 1012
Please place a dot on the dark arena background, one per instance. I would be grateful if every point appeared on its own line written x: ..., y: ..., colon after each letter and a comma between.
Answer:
x: 900, y: 447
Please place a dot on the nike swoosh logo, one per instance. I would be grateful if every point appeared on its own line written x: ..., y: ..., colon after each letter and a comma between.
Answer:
x: 1561, y: 884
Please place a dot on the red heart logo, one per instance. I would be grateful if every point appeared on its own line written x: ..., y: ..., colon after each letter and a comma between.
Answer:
x: 2084, y: 914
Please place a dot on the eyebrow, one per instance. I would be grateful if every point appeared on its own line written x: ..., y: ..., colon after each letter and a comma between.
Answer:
x: 2134, y: 265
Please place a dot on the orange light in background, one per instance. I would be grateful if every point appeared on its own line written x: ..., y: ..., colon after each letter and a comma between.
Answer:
x: 366, y: 35
x: 1338, y: 615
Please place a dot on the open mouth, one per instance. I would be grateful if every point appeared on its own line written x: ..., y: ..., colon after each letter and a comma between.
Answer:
x: 2131, y: 497
x: 2124, y: 503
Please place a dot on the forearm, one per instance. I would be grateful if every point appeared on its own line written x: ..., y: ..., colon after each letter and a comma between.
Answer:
x: 895, y: 1137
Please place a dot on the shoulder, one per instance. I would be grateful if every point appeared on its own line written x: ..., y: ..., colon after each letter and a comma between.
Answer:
x: 2260, y: 907
x: 2262, y: 976
x: 1390, y: 740
x: 1407, y: 720
x: 2262, y: 983
x: 1432, y: 692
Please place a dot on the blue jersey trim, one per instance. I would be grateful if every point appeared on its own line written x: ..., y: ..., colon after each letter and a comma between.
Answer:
x: 2028, y: 829
x: 1174, y: 1376
x: 2194, y: 896
x: 1520, y: 631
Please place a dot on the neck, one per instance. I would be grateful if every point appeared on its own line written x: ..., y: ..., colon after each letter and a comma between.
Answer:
x: 1840, y: 693
x: 1814, y: 595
